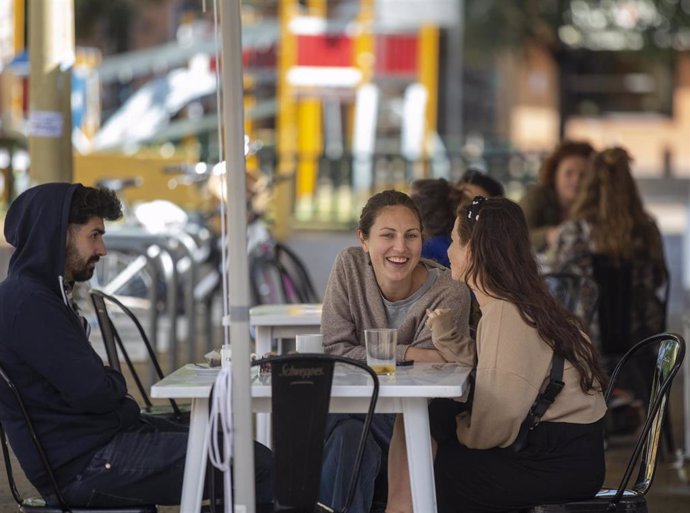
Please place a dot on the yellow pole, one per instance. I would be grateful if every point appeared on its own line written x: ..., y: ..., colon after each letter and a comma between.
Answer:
x: 364, y: 41
x: 310, y: 140
x: 51, y: 53
x: 286, y: 125
x: 427, y: 75
x: 19, y: 16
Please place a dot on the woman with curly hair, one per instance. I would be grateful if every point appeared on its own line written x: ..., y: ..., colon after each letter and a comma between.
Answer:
x: 547, y: 205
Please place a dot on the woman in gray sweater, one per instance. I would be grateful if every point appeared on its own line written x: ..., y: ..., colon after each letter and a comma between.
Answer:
x: 384, y: 283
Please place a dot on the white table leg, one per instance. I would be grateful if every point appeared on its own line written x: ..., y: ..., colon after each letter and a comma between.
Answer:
x: 419, y: 457
x: 195, y: 462
x: 264, y: 344
x: 263, y: 429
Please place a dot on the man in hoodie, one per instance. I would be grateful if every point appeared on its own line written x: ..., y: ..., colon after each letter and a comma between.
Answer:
x: 103, y: 450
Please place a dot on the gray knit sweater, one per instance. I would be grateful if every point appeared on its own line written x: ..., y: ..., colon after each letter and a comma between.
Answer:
x: 353, y: 303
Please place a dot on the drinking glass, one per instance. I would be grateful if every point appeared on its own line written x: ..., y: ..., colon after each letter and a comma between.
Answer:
x: 381, y: 344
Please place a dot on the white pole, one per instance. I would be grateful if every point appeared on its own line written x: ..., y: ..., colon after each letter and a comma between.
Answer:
x: 238, y: 275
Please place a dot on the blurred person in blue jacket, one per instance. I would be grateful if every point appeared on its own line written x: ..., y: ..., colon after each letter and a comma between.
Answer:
x: 437, y: 201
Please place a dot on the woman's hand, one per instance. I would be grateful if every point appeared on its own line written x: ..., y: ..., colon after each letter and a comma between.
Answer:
x: 552, y: 237
x: 439, y: 320
x: 445, y: 337
x: 424, y: 355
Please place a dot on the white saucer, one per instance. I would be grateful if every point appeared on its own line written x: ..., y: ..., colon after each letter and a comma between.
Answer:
x: 202, y: 369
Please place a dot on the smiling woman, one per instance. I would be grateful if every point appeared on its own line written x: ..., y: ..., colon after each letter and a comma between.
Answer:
x: 383, y: 283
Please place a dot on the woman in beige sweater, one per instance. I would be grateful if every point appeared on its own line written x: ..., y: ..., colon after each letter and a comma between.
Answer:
x: 383, y: 283
x: 478, y: 465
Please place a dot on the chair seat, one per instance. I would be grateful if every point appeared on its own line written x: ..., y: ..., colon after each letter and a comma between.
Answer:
x: 165, y: 411
x: 38, y: 505
x: 631, y: 502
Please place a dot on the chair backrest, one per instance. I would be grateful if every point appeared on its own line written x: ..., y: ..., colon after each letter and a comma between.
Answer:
x: 299, y: 276
x: 265, y: 279
x: 114, y: 346
x: 8, y: 466
x: 633, y: 299
x: 670, y: 354
x: 37, y: 444
x: 615, y: 304
x: 278, y: 276
x: 576, y: 292
x: 301, y: 391
x: 40, y: 505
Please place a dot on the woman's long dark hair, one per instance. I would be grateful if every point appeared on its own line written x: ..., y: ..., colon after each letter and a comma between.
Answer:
x: 502, y: 263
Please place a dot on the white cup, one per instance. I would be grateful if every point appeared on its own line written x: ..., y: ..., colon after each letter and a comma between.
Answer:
x: 312, y: 343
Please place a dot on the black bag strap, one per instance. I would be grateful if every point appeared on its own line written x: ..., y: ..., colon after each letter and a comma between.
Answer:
x: 542, y: 402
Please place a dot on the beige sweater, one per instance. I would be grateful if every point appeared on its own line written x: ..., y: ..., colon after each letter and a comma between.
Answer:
x: 513, y: 365
x: 353, y: 303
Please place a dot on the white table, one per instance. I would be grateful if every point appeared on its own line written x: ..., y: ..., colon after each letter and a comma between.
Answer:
x: 407, y: 392
x: 274, y: 322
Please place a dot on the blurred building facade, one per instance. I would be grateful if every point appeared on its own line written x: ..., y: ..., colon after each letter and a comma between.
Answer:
x: 456, y: 83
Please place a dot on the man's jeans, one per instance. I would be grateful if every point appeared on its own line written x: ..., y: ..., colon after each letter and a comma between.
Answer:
x: 145, y: 465
x: 343, y: 432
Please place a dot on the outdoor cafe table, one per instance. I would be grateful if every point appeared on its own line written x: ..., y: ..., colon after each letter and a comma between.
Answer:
x: 273, y: 324
x: 407, y: 392
x: 276, y: 322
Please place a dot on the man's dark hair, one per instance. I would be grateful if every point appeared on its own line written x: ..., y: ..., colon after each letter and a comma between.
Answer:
x: 88, y: 202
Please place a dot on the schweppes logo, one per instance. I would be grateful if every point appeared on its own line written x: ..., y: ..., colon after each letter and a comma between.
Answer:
x: 290, y: 371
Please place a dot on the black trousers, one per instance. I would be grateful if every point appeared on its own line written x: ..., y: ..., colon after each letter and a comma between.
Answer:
x: 561, y: 462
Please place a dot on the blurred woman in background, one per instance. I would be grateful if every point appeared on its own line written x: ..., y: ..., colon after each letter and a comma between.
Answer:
x: 547, y: 205
x: 612, y: 239
x: 437, y: 201
x: 477, y: 183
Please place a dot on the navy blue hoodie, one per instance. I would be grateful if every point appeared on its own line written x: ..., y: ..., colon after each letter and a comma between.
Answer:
x: 76, y: 403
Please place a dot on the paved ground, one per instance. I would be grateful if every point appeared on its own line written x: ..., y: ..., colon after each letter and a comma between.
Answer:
x: 668, y: 493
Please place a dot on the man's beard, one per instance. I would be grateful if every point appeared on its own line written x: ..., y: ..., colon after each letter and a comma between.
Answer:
x: 85, y: 273
x: 80, y: 271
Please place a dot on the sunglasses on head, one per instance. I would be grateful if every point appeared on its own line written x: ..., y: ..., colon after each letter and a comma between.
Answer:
x: 473, y: 210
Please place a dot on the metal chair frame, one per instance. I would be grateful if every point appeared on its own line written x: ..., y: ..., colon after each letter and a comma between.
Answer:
x: 572, y: 284
x: 114, y: 345
x: 34, y: 505
x: 669, y: 360
x: 294, y: 476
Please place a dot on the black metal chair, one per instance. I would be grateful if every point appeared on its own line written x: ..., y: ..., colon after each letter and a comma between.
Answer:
x: 39, y: 504
x: 278, y: 276
x: 576, y: 292
x: 670, y: 354
x: 115, y: 347
x: 301, y: 391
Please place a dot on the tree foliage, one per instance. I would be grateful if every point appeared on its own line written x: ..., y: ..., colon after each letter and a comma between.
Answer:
x: 110, y: 18
x: 650, y: 26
